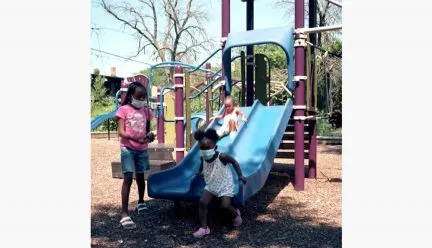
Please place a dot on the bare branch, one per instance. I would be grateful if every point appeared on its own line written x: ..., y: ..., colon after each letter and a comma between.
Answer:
x: 182, y: 34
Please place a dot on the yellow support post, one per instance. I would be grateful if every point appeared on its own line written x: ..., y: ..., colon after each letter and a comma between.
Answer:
x: 169, y: 115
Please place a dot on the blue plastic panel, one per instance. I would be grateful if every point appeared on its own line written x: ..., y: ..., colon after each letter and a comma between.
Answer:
x: 282, y: 36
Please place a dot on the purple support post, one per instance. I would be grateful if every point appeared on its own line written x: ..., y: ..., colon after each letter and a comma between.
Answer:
x: 179, y: 114
x: 160, y: 122
x: 208, y: 75
x: 312, y: 80
x: 123, y: 90
x: 225, y: 31
x: 299, y: 100
x: 312, y: 149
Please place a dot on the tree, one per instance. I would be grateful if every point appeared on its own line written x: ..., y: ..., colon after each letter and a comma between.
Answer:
x: 170, y: 29
x: 98, y: 91
x: 159, y: 76
x: 329, y: 64
x: 101, y: 103
x: 327, y: 14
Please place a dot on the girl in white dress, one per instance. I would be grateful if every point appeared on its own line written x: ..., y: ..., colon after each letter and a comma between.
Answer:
x: 230, y: 116
x: 215, y: 167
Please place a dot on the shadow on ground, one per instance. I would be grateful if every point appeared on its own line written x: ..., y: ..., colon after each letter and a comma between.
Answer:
x: 263, y: 226
x: 337, y: 149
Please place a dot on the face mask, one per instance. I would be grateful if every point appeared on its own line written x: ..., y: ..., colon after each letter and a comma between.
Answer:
x: 137, y: 103
x: 207, y: 154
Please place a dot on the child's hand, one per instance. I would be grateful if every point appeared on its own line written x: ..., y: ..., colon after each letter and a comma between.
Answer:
x: 141, y: 140
x: 150, y: 137
x: 243, y: 179
x: 244, y: 119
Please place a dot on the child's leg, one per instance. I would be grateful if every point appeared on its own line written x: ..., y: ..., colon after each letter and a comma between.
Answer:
x: 232, y: 126
x: 127, y: 182
x: 203, y: 207
x: 235, y: 213
x: 127, y: 163
x: 139, y: 178
x: 223, y: 131
x: 141, y: 165
x: 226, y: 204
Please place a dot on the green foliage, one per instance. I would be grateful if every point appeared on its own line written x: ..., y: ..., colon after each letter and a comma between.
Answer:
x: 336, y: 47
x: 275, y: 54
x: 101, y: 103
x: 159, y: 76
x: 324, y: 128
x: 331, y: 64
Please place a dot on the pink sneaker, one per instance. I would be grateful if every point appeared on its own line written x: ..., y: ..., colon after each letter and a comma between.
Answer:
x: 201, y: 232
x: 237, y: 221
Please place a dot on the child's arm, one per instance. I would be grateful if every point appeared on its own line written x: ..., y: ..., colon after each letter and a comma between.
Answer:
x: 216, y: 117
x: 239, y: 112
x: 121, y: 118
x: 225, y: 159
x: 123, y: 134
x: 150, y: 135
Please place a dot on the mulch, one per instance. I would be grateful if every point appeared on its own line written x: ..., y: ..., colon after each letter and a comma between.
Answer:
x: 278, y: 216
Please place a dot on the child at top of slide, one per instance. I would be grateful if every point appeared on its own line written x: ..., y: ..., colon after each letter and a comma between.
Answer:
x: 230, y: 116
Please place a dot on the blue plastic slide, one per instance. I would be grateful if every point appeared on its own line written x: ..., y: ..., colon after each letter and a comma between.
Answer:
x: 254, y: 147
x: 98, y: 120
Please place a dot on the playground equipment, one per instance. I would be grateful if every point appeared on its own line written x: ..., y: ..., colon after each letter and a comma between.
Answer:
x: 257, y: 143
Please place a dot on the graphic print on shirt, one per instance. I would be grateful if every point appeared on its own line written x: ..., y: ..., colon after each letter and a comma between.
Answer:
x: 136, y: 122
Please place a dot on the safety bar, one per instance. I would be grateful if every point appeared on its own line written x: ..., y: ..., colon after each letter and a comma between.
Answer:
x: 174, y: 63
x: 171, y: 64
x: 161, y: 103
x: 210, y: 84
x: 215, y: 98
x: 204, y: 89
x: 209, y: 57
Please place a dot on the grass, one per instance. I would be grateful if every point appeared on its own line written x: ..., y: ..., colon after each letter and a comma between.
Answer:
x: 324, y: 128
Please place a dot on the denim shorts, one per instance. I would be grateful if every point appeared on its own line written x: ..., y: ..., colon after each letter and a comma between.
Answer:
x: 134, y: 160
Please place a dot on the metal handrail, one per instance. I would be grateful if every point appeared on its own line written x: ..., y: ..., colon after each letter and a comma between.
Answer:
x: 205, y: 88
x: 209, y: 57
x: 173, y: 64
x: 210, y: 84
x: 161, y: 103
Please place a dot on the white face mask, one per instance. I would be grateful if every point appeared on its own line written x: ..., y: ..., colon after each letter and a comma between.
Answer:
x: 137, y: 103
x: 207, y: 154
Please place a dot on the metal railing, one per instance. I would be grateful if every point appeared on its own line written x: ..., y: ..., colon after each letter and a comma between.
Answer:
x: 162, y: 102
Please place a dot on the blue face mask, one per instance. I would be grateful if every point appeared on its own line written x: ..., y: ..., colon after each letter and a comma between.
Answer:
x: 207, y: 154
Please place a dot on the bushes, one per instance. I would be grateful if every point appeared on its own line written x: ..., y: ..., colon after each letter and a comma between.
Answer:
x: 101, y: 103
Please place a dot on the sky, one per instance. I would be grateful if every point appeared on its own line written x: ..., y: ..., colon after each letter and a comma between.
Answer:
x: 113, y: 39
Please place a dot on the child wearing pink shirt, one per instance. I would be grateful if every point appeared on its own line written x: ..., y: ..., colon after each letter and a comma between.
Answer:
x: 134, y: 130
